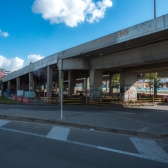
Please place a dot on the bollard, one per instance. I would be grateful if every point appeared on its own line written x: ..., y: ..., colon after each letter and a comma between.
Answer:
x: 153, y: 100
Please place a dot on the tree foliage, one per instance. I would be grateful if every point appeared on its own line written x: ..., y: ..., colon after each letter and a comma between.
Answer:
x: 153, y: 81
x: 115, y: 81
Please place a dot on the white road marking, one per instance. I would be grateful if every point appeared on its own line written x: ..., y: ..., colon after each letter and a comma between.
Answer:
x: 134, y: 154
x: 23, y: 132
x: 58, y: 133
x: 93, y: 146
x: 3, y: 122
x: 149, y: 148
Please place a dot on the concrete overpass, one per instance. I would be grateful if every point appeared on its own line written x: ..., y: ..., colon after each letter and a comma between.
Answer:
x: 137, y: 49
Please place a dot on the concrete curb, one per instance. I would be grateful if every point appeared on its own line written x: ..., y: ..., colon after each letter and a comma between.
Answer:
x: 84, y: 126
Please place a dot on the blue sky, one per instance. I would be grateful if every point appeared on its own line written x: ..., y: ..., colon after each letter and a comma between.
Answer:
x: 33, y: 29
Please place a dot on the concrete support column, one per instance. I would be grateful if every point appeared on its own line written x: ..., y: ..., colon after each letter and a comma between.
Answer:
x: 35, y: 84
x: 23, y: 85
x: 110, y: 85
x: 31, y: 82
x: 2, y: 87
x: 96, y: 79
x: 106, y: 85
x: 71, y: 83
x: 128, y: 90
x: 56, y: 86
x: 49, y: 79
x: 88, y: 84
x: 9, y: 85
x: 85, y: 85
x: 96, y: 84
x: 17, y: 84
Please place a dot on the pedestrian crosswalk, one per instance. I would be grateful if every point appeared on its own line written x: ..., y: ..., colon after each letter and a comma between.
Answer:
x: 58, y: 133
x: 143, y: 148
x: 149, y: 147
x: 3, y: 122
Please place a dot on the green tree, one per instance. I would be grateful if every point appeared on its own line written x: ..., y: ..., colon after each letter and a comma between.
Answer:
x: 115, y: 82
x: 153, y: 81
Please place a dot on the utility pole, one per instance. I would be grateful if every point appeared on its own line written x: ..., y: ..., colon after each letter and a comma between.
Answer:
x: 154, y: 9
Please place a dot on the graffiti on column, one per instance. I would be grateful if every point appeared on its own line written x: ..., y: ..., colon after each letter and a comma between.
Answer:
x: 128, y: 92
x: 96, y: 93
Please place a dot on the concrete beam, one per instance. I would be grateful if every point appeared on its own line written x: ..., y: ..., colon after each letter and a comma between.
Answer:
x: 75, y: 63
x: 139, y: 56
x: 50, y: 60
x: 140, y: 30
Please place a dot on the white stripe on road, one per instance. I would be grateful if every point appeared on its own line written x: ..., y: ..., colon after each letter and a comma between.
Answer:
x: 149, y: 148
x: 58, y: 133
x: 94, y: 146
x: 22, y: 132
x: 3, y: 122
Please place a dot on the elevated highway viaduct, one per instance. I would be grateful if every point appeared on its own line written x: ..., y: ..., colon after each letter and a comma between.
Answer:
x: 137, y: 49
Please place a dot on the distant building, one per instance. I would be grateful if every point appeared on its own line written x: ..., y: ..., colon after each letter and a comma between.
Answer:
x: 3, y: 73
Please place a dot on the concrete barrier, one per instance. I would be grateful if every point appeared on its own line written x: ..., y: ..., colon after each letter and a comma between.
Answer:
x: 20, y: 99
x: 26, y: 100
x: 14, y: 98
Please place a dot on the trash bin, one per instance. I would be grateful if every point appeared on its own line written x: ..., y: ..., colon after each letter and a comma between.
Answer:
x: 8, y: 92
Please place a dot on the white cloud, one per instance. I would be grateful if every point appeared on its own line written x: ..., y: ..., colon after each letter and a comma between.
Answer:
x: 33, y: 57
x: 5, y: 34
x: 12, y: 64
x: 71, y: 12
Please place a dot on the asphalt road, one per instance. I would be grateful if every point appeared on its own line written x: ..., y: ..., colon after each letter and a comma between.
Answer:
x: 34, y: 145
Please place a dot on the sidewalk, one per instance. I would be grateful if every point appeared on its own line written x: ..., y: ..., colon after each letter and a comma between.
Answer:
x: 151, y: 121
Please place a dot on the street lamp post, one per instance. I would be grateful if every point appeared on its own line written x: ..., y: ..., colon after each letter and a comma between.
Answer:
x: 154, y: 8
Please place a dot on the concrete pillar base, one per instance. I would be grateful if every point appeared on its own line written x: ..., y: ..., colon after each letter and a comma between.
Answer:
x: 96, y: 85
x: 128, y: 88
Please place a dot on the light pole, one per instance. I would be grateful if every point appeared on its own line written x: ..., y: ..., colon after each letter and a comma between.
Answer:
x: 154, y: 9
